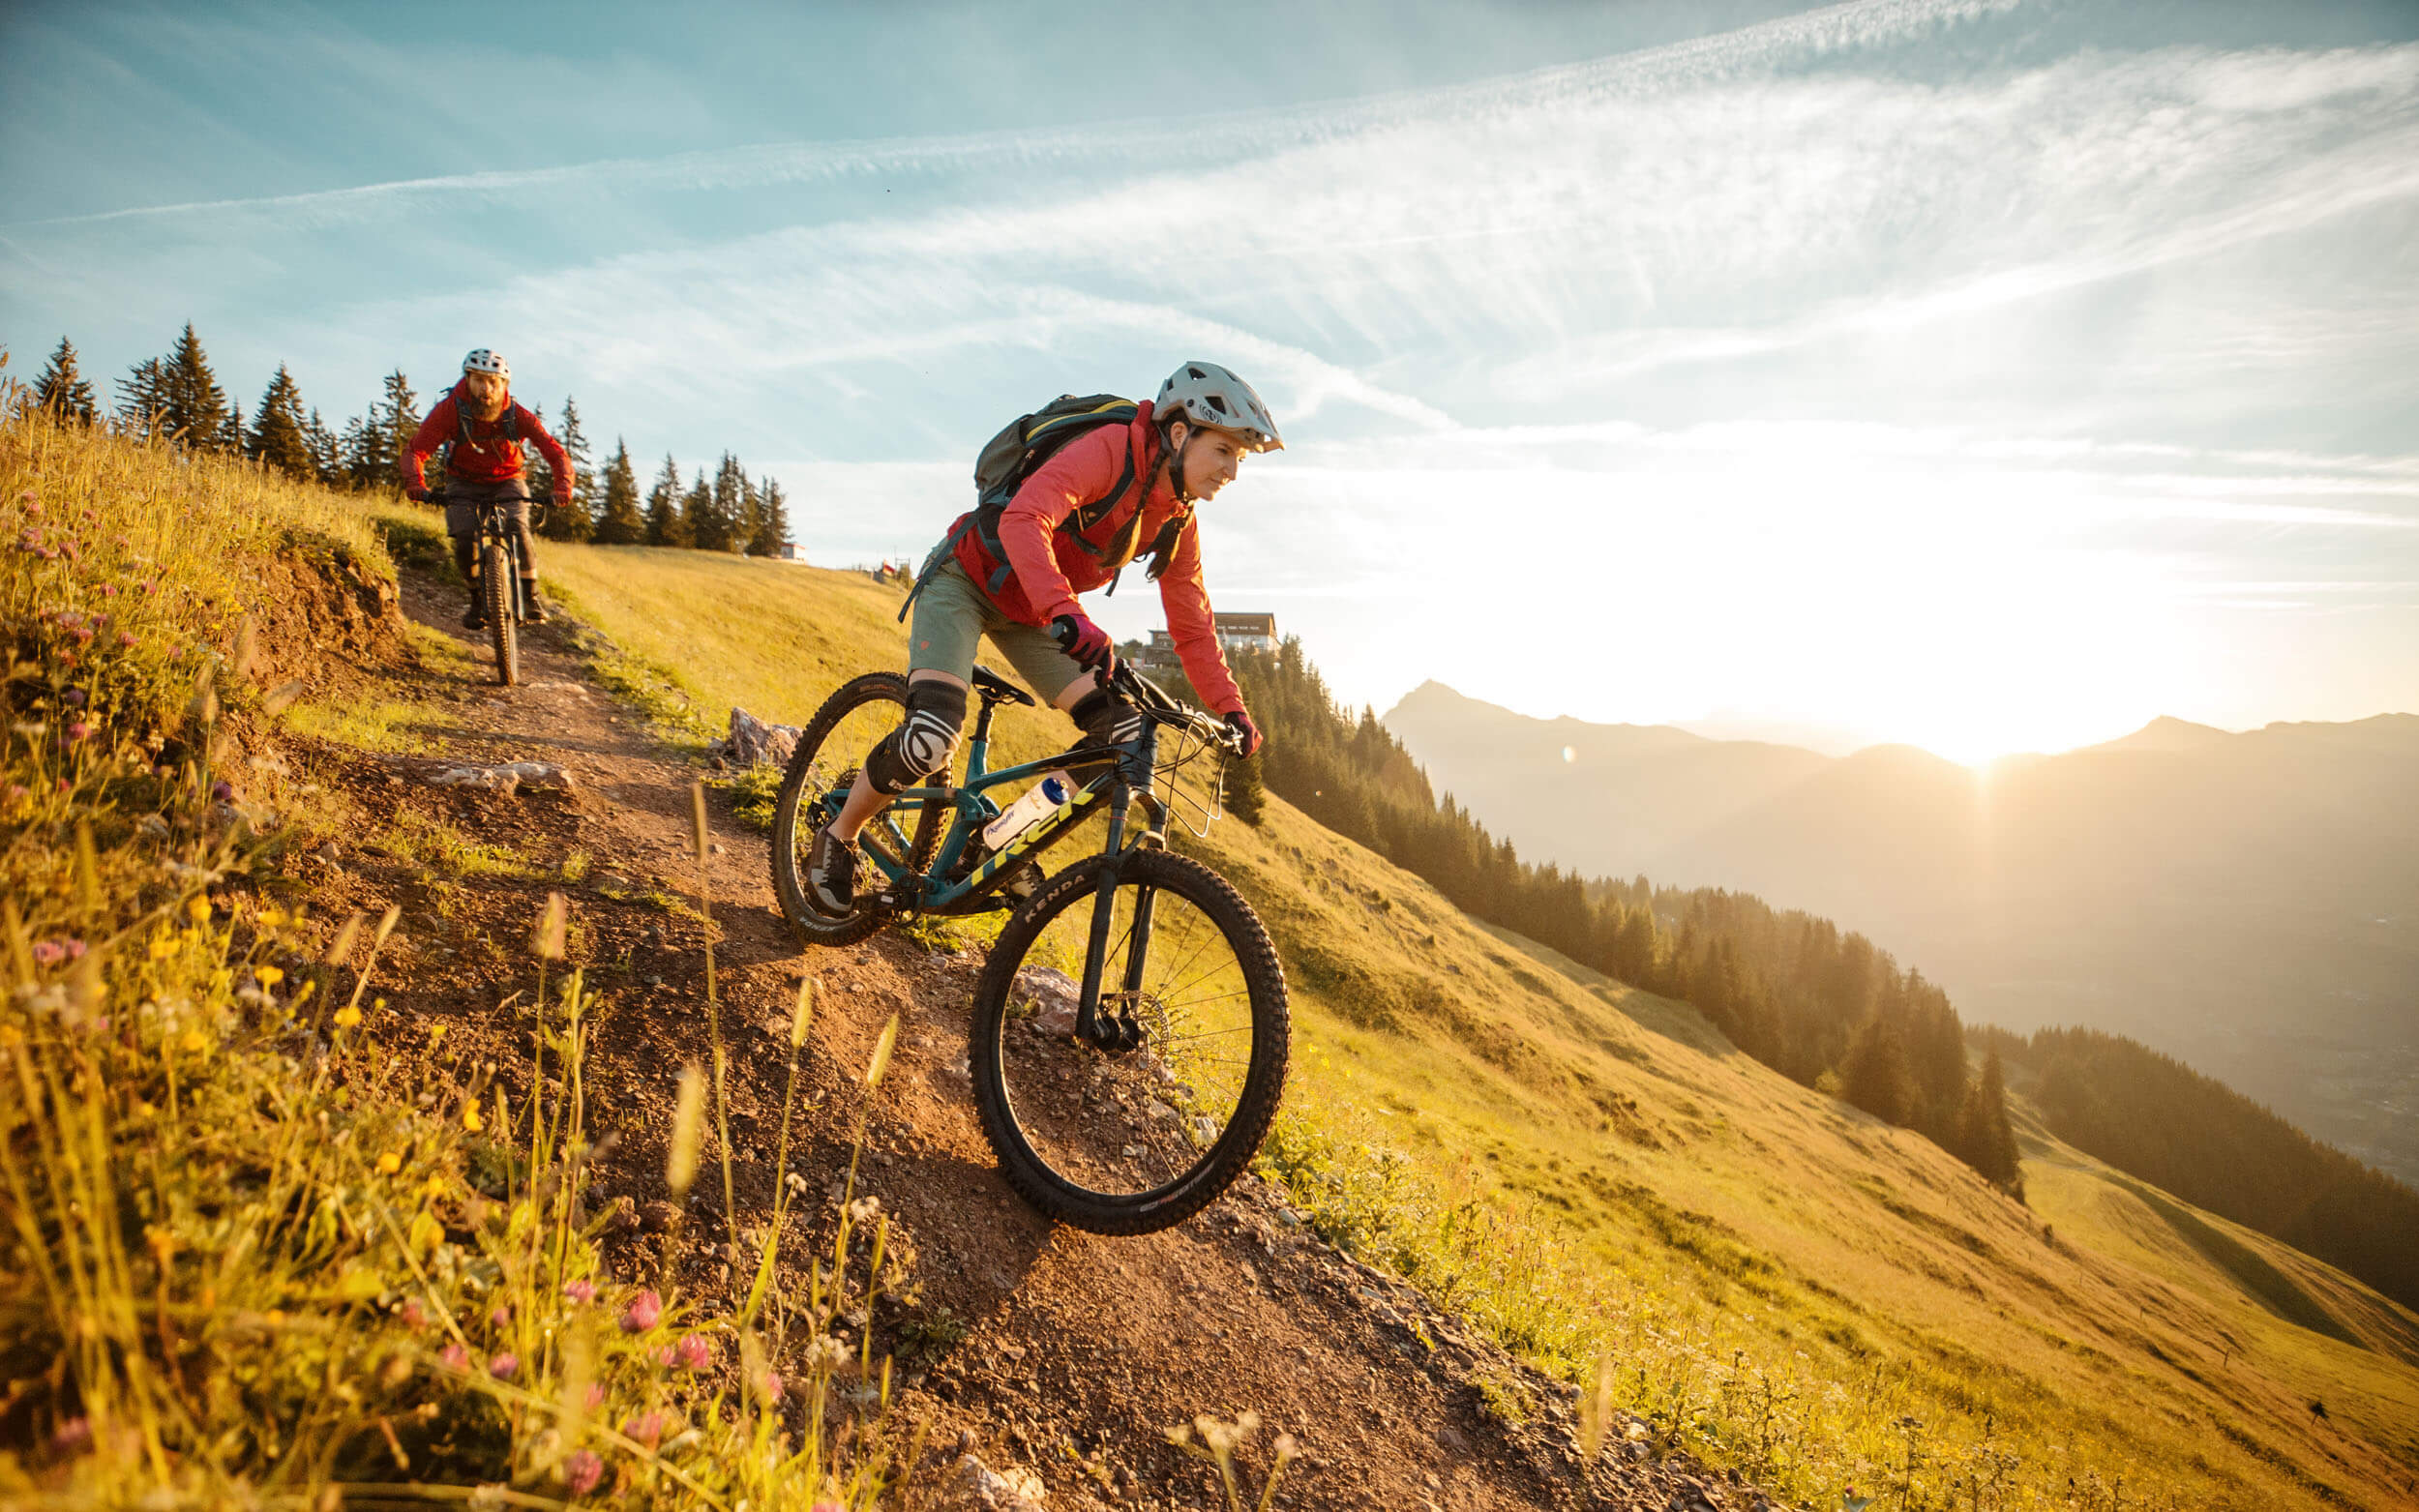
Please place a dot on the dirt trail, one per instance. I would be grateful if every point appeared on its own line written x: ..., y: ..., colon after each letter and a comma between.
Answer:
x: 1077, y: 1352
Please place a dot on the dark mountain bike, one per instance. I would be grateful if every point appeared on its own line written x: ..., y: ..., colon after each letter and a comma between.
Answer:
x: 496, y: 584
x: 1130, y: 1030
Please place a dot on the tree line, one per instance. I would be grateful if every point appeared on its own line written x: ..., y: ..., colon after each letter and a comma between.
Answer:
x: 2152, y: 1117
x: 176, y: 396
x: 1826, y: 1008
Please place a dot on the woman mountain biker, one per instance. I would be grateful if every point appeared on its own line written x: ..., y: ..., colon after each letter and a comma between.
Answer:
x: 1181, y: 448
x: 482, y: 429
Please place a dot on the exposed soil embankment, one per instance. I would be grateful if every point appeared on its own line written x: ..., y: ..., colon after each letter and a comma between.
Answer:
x: 1031, y: 1345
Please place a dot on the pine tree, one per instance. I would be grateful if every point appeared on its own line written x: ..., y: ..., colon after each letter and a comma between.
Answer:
x: 1984, y: 1140
x: 618, y: 520
x: 280, y: 435
x: 724, y: 526
x: 576, y: 520
x: 196, y: 413
x: 64, y: 391
x: 698, y: 527
x: 357, y: 454
x: 324, y: 464
x: 664, y: 524
x: 143, y: 398
x: 1246, y: 796
x: 230, y: 439
x: 392, y: 421
x: 1874, y: 1076
x: 772, y: 524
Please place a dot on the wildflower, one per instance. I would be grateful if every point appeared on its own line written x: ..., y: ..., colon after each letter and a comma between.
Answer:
x: 827, y: 1354
x: 583, y: 1469
x: 499, y: 1317
x: 582, y: 1292
x: 644, y: 1311
x: 269, y: 976
x: 693, y: 1353
x: 772, y: 1385
x: 126, y: 638
x: 74, y: 698
x: 162, y: 946
x: 596, y: 1395
x: 347, y: 1016
x: 275, y: 918
x: 456, y: 1357
x: 222, y: 792
x: 199, y: 908
x: 865, y: 1209
x: 436, y: 1187
x: 470, y: 1119
x: 646, y: 1430
x: 390, y: 1162
x: 502, y: 1366
x: 71, y: 1435
x: 378, y: 1002
x: 47, y: 953
x: 412, y: 1317
x: 193, y: 1042
x: 436, y: 1032
x: 80, y: 731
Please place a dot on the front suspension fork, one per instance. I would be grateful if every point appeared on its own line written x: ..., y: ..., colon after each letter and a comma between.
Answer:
x: 1120, y: 1030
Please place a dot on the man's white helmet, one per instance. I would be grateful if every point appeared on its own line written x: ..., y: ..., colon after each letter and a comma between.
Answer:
x: 484, y: 361
x: 1209, y: 395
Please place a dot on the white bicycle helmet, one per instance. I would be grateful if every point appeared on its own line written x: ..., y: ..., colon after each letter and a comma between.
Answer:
x: 1209, y: 395
x: 484, y: 361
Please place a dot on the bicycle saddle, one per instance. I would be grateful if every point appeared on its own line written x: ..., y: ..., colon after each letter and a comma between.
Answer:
x: 994, y: 687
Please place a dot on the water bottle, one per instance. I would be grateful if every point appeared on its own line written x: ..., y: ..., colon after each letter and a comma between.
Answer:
x: 1044, y: 798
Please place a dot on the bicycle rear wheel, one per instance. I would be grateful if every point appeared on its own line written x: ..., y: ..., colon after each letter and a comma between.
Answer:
x: 1131, y: 1141
x: 820, y: 773
x: 502, y: 623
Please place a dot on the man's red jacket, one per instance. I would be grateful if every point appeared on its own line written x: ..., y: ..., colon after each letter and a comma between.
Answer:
x: 1048, y: 571
x: 491, y: 455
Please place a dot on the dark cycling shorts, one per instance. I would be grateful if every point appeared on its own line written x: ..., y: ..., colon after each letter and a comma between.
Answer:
x: 461, y: 511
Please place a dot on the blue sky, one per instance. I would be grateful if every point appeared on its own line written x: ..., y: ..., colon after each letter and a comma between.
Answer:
x: 1986, y: 375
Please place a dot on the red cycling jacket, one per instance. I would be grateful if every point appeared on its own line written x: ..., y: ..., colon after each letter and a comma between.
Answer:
x: 1047, y: 571
x: 491, y: 454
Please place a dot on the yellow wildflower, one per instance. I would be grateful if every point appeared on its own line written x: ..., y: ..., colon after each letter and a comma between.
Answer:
x: 199, y: 908
x: 436, y: 1032
x: 272, y: 918
x: 378, y: 1002
x: 270, y: 976
x: 470, y: 1119
x: 347, y: 1016
x: 193, y: 1043
x: 437, y: 1186
x: 162, y: 946
x: 390, y: 1162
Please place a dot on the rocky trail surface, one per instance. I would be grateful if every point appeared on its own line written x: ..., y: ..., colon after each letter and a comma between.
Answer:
x: 1056, y: 1357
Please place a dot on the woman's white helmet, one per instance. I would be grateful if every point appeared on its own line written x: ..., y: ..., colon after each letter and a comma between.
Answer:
x: 484, y: 361
x: 1209, y: 395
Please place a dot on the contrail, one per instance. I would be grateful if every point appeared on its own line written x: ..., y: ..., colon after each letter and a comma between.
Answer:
x: 1710, y: 60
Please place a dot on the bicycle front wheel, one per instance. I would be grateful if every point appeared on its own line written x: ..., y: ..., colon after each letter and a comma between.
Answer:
x: 1131, y: 1140
x: 502, y: 624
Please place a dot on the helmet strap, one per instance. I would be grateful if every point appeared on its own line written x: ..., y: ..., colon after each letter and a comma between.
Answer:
x: 1172, y: 457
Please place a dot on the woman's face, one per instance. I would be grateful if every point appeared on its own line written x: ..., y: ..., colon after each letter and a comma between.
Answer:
x: 1209, y: 458
x: 486, y: 391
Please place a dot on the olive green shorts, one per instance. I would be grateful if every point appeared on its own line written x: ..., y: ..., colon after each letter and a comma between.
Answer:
x: 951, y: 617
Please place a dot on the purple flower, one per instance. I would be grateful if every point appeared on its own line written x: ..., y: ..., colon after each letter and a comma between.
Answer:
x: 456, y: 1357
x: 581, y: 1470
x: 693, y: 1353
x: 74, y: 698
x: 80, y: 731
x: 772, y: 1385
x: 582, y: 1292
x: 126, y: 638
x: 47, y: 953
x: 647, y: 1429
x: 412, y: 1317
x: 645, y: 1310
x: 499, y: 1317
x: 502, y: 1366
x: 72, y: 1434
x: 223, y: 791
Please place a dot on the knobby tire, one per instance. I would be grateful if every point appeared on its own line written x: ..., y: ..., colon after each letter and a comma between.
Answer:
x: 996, y: 1001
x: 502, y: 625
x: 826, y: 771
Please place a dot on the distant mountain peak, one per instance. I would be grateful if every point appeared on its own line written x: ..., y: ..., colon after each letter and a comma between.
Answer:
x: 2166, y: 732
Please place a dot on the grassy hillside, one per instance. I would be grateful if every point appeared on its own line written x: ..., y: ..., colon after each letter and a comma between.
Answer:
x: 1595, y: 1175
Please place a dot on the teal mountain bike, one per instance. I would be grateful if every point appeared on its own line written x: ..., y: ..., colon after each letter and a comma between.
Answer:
x: 1130, y: 1028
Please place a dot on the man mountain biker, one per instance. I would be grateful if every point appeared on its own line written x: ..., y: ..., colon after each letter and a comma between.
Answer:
x: 482, y: 429
x: 1063, y: 534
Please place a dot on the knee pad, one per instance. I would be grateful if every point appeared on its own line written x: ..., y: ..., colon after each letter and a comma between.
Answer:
x: 924, y: 742
x: 1105, y: 717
